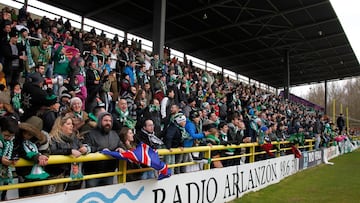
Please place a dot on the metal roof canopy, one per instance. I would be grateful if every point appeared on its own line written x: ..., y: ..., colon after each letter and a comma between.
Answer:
x: 248, y: 37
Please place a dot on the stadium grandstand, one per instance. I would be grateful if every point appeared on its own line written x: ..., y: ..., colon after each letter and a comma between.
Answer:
x: 305, y: 102
x: 84, y: 108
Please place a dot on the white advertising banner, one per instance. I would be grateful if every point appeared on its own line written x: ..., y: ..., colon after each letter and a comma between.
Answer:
x: 216, y: 185
x: 330, y: 153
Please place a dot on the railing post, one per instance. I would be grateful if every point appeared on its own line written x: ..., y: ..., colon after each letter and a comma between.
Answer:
x: 122, y: 168
x: 208, y: 157
x: 278, y: 154
x: 252, y: 153
x: 311, y: 146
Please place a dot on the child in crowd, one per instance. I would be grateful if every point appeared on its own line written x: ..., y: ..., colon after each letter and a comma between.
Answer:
x: 80, y: 89
x: 64, y: 101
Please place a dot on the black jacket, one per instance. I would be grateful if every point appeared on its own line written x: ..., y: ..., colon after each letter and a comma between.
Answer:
x: 62, y: 148
x: 143, y: 136
x: 9, y: 57
x: 155, y: 116
x: 173, y: 137
x: 33, y: 99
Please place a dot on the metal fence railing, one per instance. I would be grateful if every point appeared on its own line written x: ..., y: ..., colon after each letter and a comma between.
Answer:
x: 282, y: 147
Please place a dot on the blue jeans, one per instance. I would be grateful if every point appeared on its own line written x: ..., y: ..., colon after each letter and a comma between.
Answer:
x: 49, y: 70
x: 148, y: 175
x: 99, y: 182
x: 317, y: 141
x: 170, y: 159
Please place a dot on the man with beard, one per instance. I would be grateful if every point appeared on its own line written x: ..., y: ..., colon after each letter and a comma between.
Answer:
x: 102, y: 138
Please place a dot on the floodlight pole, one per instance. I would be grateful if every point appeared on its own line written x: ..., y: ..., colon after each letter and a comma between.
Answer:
x: 159, y: 27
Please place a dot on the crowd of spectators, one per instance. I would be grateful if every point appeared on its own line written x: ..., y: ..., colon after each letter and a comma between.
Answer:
x: 77, y: 92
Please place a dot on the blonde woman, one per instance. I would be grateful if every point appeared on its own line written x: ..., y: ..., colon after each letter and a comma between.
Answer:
x: 64, y: 141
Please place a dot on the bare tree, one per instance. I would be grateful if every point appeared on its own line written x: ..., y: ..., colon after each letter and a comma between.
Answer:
x: 347, y: 94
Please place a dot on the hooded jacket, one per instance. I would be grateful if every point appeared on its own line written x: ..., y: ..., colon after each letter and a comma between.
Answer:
x: 81, y: 90
x: 193, y: 132
x: 34, y: 98
x: 41, y: 56
x: 97, y: 140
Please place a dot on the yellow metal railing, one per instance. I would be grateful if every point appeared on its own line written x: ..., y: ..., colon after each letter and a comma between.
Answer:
x: 122, y: 171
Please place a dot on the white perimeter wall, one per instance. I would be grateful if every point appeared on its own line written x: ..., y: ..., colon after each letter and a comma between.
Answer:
x: 216, y: 185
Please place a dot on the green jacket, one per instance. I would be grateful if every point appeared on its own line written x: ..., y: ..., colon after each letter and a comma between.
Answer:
x: 61, y: 63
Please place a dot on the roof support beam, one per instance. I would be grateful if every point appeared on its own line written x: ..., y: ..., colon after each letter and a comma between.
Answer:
x: 104, y: 8
x: 278, y: 59
x: 277, y: 47
x: 272, y: 73
x: 264, y: 36
x: 139, y: 28
x: 245, y: 22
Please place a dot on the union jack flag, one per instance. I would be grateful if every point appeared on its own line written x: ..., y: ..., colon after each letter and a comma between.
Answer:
x: 143, y: 154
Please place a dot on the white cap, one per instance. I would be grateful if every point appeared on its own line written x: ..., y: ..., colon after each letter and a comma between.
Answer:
x: 180, y: 118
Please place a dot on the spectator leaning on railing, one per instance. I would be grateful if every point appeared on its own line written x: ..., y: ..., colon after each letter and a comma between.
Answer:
x: 64, y: 141
x: 27, y: 142
x: 8, y: 129
x: 102, y: 138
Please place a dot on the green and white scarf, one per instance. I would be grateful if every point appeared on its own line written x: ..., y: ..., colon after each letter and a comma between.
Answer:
x: 153, y: 108
x: 213, y: 139
x: 125, y: 119
x: 42, y: 60
x: 37, y: 172
x: 184, y: 134
x: 16, y: 101
x: 187, y: 87
x: 93, y: 117
x: 78, y: 115
x: 122, y: 115
x: 3, y: 112
x: 261, y: 138
x: 7, y: 152
x: 96, y: 74
x: 30, y: 148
